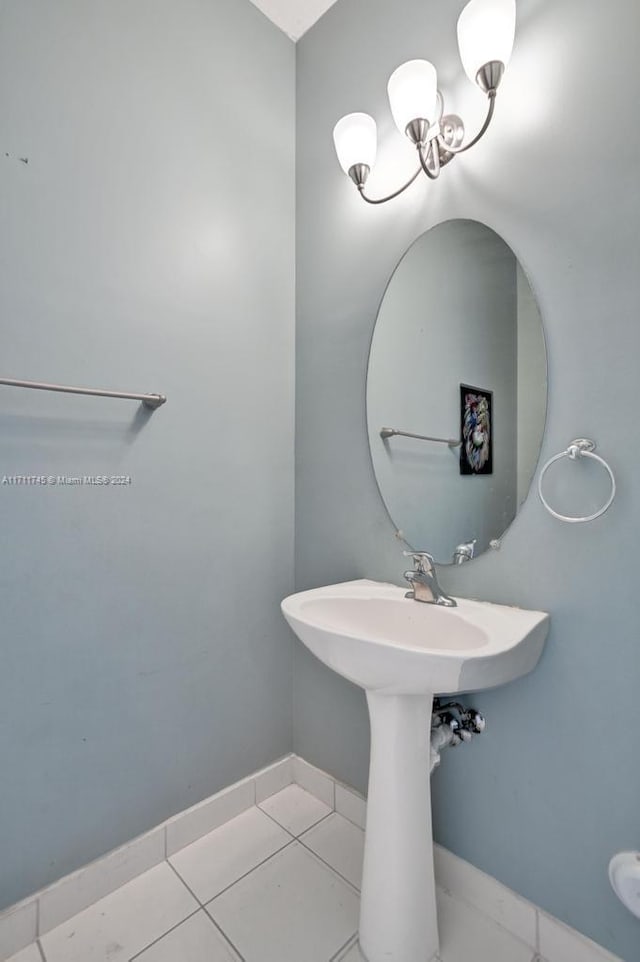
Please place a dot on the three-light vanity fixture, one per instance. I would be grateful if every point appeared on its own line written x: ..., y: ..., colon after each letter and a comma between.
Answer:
x: 486, y: 30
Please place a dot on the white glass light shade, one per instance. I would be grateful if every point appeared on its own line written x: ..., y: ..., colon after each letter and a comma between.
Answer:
x: 486, y: 30
x: 355, y: 140
x: 412, y: 90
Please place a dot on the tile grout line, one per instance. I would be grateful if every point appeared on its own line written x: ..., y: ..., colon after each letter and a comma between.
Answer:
x: 294, y: 839
x: 222, y: 825
x: 240, y: 877
x: 351, y: 941
x: 329, y: 866
x: 276, y: 822
x: 224, y: 935
x: 315, y: 824
x: 160, y: 937
x: 324, y: 775
x: 349, y: 820
x: 357, y: 796
x: 298, y: 838
x: 308, y: 829
x: 188, y: 887
x: 202, y: 908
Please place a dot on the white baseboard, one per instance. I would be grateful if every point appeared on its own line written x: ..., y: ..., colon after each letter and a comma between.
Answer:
x: 21, y: 924
x: 550, y: 939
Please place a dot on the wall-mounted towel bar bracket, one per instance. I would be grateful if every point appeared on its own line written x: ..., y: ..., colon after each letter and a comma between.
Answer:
x: 149, y: 400
x: 393, y: 432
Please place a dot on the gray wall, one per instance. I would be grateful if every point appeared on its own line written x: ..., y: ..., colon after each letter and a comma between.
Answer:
x: 448, y: 317
x: 145, y: 663
x: 551, y: 792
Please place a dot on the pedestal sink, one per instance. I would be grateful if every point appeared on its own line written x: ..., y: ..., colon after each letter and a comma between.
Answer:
x: 403, y: 653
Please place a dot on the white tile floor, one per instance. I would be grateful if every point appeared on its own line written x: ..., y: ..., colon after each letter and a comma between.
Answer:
x: 278, y: 883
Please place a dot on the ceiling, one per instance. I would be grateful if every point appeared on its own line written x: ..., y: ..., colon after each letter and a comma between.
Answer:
x: 294, y: 17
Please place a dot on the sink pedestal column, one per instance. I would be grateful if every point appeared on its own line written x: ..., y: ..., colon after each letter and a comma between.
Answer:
x: 398, y: 920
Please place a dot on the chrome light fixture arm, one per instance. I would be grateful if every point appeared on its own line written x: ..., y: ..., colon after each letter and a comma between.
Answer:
x: 430, y: 155
x: 451, y: 149
x: 431, y: 159
x: 383, y: 200
x: 486, y: 31
x: 433, y: 153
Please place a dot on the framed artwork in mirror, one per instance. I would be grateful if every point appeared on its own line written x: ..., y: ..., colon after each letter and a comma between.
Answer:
x: 476, y: 430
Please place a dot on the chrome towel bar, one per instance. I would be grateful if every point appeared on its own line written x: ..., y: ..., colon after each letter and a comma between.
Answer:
x: 149, y: 400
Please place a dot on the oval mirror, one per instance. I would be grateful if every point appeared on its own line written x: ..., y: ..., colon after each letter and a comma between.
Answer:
x: 456, y: 391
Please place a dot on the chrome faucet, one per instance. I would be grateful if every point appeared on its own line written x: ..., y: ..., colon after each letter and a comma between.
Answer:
x: 423, y: 581
x: 464, y: 552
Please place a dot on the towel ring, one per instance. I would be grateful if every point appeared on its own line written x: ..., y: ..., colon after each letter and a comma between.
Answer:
x: 580, y: 448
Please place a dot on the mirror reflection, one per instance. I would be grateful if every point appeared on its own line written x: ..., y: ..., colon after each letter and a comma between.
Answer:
x: 456, y: 391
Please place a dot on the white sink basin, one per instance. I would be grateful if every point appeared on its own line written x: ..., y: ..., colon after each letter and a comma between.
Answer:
x: 402, y: 652
x: 374, y: 636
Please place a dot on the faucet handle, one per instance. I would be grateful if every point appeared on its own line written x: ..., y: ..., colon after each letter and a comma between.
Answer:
x: 422, y: 559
